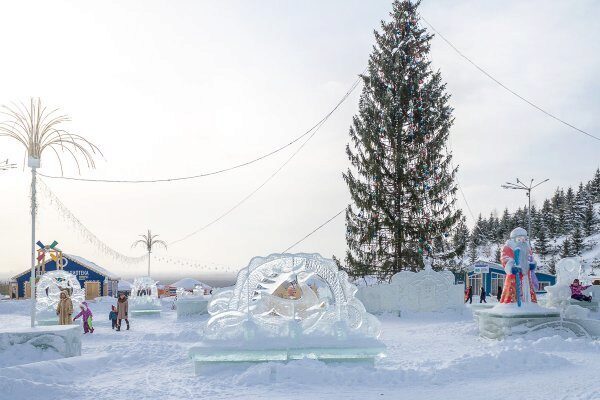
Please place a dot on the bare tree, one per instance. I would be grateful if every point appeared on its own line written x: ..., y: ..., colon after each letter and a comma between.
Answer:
x: 38, y: 129
x: 149, y: 241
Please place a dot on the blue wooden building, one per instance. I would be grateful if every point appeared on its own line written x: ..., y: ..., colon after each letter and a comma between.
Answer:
x: 491, y: 276
x: 96, y: 280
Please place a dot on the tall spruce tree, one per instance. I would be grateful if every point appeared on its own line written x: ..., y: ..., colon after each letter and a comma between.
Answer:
x: 589, y: 219
x: 576, y: 242
x: 401, y: 180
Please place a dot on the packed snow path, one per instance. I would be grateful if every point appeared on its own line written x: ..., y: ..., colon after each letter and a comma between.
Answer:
x: 430, y: 356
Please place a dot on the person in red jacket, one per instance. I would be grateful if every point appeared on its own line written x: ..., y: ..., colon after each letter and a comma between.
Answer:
x: 469, y: 295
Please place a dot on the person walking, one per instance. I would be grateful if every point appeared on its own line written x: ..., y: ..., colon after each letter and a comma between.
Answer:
x: 499, y: 293
x: 469, y: 295
x: 112, y: 315
x: 122, y: 311
x: 64, y: 310
x: 482, y: 295
x: 86, y: 315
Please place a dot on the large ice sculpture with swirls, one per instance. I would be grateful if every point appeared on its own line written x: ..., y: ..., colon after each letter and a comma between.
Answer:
x: 144, y: 296
x: 290, y: 295
x: 47, y: 294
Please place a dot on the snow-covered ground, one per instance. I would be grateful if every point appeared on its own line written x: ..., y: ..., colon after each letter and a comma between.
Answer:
x: 430, y: 356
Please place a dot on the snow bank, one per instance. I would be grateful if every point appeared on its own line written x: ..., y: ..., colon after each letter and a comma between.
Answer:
x: 502, y: 364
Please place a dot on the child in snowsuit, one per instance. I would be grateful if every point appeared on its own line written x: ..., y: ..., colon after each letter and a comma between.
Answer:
x: 113, y: 316
x: 576, y: 291
x: 482, y: 295
x: 86, y: 313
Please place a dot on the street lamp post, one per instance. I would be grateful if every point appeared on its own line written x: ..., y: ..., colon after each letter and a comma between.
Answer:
x: 527, y: 188
x: 37, y: 128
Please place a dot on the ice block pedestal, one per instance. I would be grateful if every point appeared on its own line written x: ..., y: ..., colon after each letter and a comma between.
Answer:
x: 144, y: 297
x: 192, y: 305
x: 257, y: 350
x: 64, y: 339
x: 508, y: 319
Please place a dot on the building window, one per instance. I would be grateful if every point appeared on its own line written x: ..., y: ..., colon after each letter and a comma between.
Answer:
x: 542, y: 285
x: 475, y: 281
x: 497, y: 280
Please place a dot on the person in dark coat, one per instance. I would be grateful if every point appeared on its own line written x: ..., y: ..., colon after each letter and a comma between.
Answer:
x: 482, y: 295
x: 122, y: 311
x: 469, y: 295
x: 499, y: 293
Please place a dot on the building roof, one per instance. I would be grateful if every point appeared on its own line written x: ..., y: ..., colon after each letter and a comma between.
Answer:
x: 189, y: 284
x: 124, y: 285
x: 83, y: 262
x: 93, y: 266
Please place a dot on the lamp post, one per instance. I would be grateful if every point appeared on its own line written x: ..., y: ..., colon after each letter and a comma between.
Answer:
x: 527, y: 188
x: 37, y: 129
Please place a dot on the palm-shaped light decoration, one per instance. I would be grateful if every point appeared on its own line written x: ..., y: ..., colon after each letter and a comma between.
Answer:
x: 38, y: 129
x: 149, y: 241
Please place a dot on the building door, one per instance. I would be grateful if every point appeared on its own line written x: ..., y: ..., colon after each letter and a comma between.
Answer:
x: 476, y: 281
x: 27, y: 290
x: 92, y: 290
x: 497, y: 281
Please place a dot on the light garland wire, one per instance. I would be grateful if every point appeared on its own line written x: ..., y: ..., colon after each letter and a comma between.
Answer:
x: 81, y: 229
x: 188, y: 262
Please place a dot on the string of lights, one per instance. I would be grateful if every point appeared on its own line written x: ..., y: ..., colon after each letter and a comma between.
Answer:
x: 81, y: 229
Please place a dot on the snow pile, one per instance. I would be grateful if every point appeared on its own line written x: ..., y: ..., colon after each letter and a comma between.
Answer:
x: 189, y: 284
x: 429, y: 355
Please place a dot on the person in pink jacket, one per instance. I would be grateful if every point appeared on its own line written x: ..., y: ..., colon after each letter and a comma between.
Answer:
x: 86, y: 315
x: 577, y: 291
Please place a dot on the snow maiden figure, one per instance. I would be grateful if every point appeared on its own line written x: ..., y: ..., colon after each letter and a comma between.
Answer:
x: 517, y: 260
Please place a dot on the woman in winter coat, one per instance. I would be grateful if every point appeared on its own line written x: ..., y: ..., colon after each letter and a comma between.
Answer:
x: 122, y: 311
x: 64, y: 310
x: 86, y: 313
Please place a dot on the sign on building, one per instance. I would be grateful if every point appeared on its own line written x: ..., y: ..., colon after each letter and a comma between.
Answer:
x: 481, y: 269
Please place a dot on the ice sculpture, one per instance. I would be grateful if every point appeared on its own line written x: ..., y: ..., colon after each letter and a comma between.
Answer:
x: 191, y: 303
x: 257, y: 296
x: 428, y: 290
x: 288, y: 306
x: 144, y: 297
x: 423, y: 291
x: 559, y: 294
x: 562, y: 315
x: 47, y: 294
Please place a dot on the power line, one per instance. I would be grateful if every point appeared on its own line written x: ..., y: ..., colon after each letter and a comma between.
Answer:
x: 314, y: 230
x: 244, y: 199
x: 506, y: 87
x: 223, y: 170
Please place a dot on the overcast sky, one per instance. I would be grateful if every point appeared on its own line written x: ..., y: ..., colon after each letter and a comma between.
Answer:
x: 170, y: 88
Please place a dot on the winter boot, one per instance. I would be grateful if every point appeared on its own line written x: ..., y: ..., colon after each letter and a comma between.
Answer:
x: 127, y: 324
